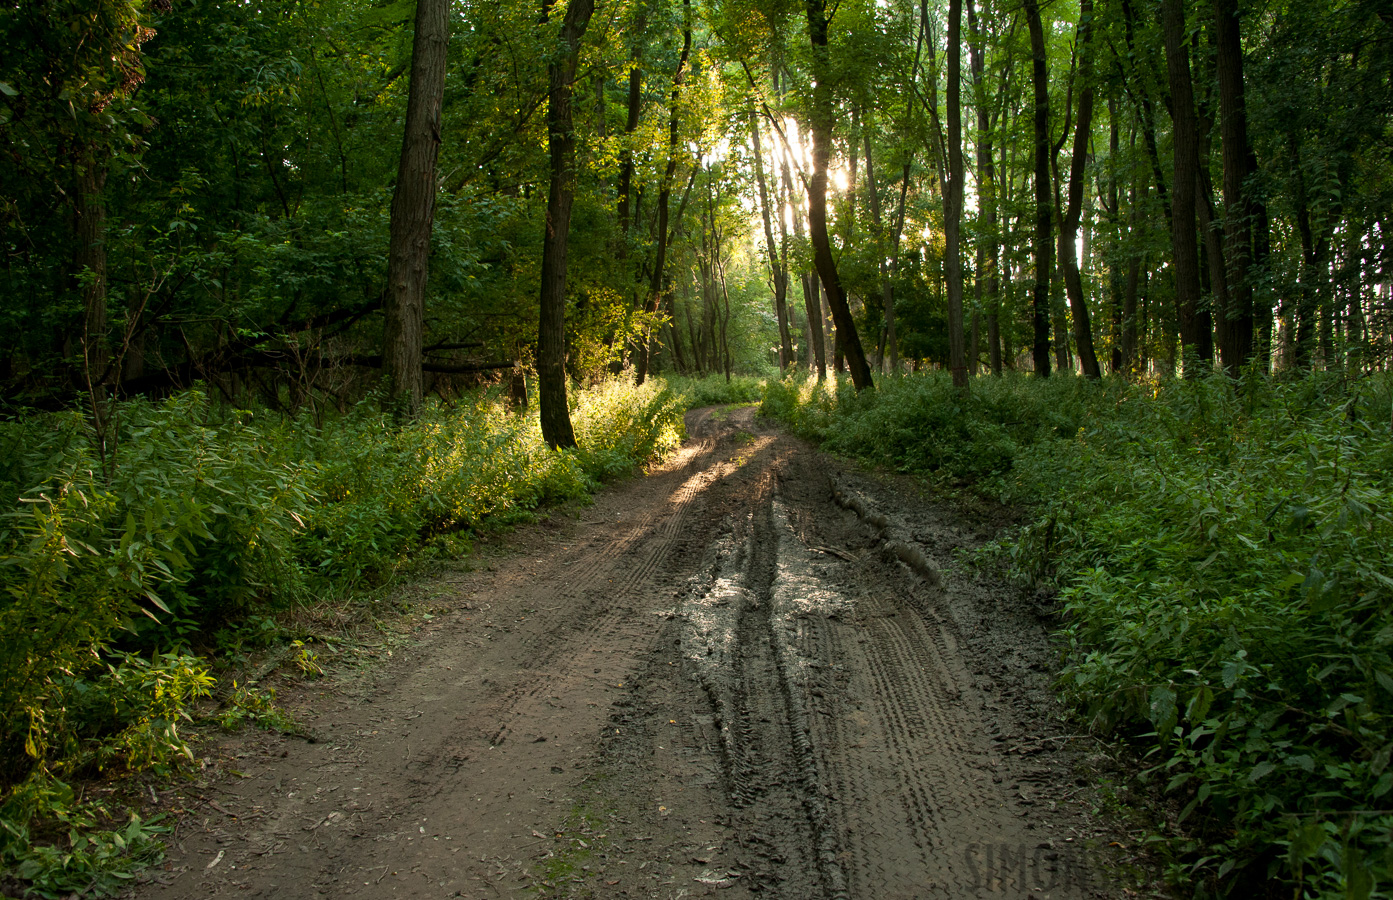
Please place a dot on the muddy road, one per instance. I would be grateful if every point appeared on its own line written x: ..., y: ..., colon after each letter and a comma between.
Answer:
x: 754, y: 673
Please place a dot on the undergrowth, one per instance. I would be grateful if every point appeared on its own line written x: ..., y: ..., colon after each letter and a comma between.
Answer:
x: 717, y: 390
x: 127, y: 567
x: 1224, y: 555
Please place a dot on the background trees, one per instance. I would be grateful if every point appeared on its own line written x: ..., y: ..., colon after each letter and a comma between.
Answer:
x: 203, y: 192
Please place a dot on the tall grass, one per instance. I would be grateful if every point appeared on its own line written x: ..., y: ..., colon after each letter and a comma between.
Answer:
x: 1224, y: 553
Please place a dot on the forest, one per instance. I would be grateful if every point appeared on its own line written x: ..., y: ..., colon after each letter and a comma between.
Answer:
x: 298, y: 295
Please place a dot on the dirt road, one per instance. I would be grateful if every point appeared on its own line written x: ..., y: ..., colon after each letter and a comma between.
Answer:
x: 754, y: 672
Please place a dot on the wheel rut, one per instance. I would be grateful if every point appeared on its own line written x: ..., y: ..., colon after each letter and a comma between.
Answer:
x: 753, y: 673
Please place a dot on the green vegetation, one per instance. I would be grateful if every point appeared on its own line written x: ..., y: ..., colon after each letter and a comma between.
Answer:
x: 1224, y: 555
x: 127, y: 564
x: 716, y: 390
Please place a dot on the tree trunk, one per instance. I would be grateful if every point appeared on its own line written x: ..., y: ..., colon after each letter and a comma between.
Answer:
x: 1044, y: 247
x: 989, y: 244
x: 887, y: 290
x: 413, y: 207
x: 777, y: 273
x: 821, y: 124
x: 1115, y: 276
x: 561, y: 139
x: 953, y: 203
x: 1069, y: 230
x: 1238, y: 347
x: 89, y: 204
x: 1184, y: 253
x: 665, y: 191
x: 1129, y: 295
x: 895, y: 239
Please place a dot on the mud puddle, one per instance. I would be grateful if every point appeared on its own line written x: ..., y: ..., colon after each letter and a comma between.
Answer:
x: 754, y: 673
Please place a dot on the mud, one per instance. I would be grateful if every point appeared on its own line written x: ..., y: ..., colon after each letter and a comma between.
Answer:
x: 756, y: 672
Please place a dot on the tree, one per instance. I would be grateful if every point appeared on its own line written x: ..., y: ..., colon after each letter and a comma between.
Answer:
x: 1043, y: 252
x: 413, y: 207
x: 655, y: 287
x: 561, y: 140
x: 777, y: 272
x: 1069, y: 228
x: 1237, y: 347
x: 988, y: 241
x: 1185, y: 259
x: 953, y: 202
x: 821, y: 121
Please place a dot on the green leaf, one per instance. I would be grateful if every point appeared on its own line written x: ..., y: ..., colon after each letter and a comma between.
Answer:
x: 7, y: 90
x: 154, y: 598
x: 1307, y: 840
x: 1384, y: 680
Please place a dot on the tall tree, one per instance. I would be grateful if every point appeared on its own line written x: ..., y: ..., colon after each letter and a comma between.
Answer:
x: 1184, y: 236
x: 1044, y: 247
x: 812, y: 305
x: 989, y: 242
x: 953, y: 202
x: 655, y: 287
x: 561, y: 141
x: 777, y: 272
x: 886, y: 267
x: 413, y: 207
x: 821, y: 120
x: 1237, y: 345
x: 1069, y: 227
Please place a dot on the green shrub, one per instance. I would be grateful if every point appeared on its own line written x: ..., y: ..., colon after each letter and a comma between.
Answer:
x: 194, y: 525
x: 620, y: 425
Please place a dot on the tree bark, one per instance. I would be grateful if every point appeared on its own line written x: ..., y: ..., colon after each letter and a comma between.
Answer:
x: 561, y: 140
x: 1184, y: 253
x: 1069, y: 230
x: 1044, y: 247
x: 821, y: 123
x: 413, y: 207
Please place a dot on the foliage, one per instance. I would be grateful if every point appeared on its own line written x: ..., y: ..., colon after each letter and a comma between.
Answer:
x: 922, y: 424
x: 95, y: 863
x: 717, y: 390
x: 1224, y: 551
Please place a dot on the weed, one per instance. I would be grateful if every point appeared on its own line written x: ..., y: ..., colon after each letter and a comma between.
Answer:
x: 250, y: 704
